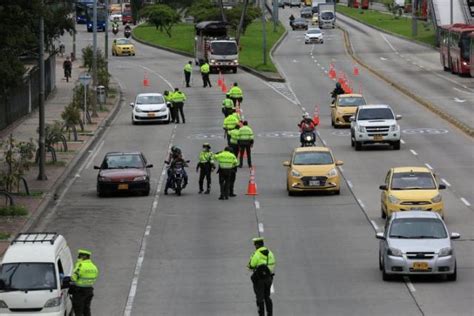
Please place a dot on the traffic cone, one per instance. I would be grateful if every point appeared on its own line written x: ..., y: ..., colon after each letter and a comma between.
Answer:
x: 224, y: 87
x: 219, y: 80
x: 146, y: 83
x: 356, y: 70
x: 316, y: 115
x: 332, y: 71
x: 252, y: 187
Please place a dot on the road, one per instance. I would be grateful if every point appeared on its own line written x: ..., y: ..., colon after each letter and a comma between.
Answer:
x: 169, y: 255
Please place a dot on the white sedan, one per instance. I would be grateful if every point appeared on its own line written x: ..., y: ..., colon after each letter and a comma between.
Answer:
x: 116, y: 17
x: 314, y: 35
x: 150, y: 107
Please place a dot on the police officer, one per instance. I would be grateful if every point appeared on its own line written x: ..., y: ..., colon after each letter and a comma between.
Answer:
x: 233, y: 140
x: 230, y: 122
x: 177, y: 98
x: 84, y: 277
x: 228, y: 106
x: 167, y: 95
x: 246, y: 138
x: 188, y: 69
x: 236, y: 94
x: 205, y: 70
x: 205, y: 165
x: 227, y: 169
x: 262, y: 263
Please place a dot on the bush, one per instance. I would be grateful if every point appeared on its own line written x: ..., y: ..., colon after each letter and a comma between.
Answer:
x: 103, y: 76
x: 13, y: 210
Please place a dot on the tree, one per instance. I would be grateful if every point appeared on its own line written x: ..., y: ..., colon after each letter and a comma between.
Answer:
x: 163, y: 17
x: 204, y: 10
x: 137, y: 6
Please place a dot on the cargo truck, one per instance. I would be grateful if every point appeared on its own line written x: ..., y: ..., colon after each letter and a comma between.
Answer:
x: 212, y: 44
x: 327, y: 15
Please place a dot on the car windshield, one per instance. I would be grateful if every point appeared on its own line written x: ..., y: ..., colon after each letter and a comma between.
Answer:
x: 28, y: 276
x: 313, y: 158
x: 314, y: 31
x: 224, y: 48
x: 123, y: 41
x: 417, y: 228
x: 150, y: 99
x: 413, y: 181
x: 351, y: 101
x: 375, y: 114
x: 327, y: 15
x: 122, y: 162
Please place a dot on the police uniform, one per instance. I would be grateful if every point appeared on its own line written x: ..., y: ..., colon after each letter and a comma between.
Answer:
x: 188, y: 69
x: 228, y: 106
x: 205, y: 70
x: 245, y: 144
x: 230, y: 122
x: 236, y: 94
x: 227, y: 169
x: 178, y: 98
x: 167, y: 95
x: 205, y: 166
x: 84, y: 277
x: 233, y: 140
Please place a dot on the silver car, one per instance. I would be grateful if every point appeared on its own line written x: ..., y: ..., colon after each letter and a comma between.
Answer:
x: 150, y: 107
x: 416, y: 242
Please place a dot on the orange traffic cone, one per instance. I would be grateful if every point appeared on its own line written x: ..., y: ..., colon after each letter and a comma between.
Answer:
x: 224, y: 87
x: 252, y: 187
x: 356, y: 70
x: 316, y: 116
x: 332, y: 71
x: 219, y: 80
x: 146, y: 83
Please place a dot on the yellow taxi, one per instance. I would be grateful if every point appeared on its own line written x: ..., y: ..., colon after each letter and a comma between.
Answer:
x: 344, y: 107
x: 315, y: 19
x: 122, y: 46
x: 312, y: 169
x: 411, y: 189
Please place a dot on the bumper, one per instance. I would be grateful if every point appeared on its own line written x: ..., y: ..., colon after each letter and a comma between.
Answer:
x: 340, y: 120
x: 299, y: 27
x: 151, y: 117
x: 313, y: 40
x: 111, y: 187
x: 224, y: 64
x: 391, y: 137
x: 434, y: 207
x: 403, y: 266
x: 326, y: 24
x: 297, y: 185
x: 125, y: 52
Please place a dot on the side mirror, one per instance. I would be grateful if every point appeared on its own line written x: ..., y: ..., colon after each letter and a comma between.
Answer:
x: 286, y: 163
x: 96, y: 167
x: 441, y: 186
x: 352, y: 119
x: 132, y: 104
x: 339, y: 163
x: 66, y: 282
x: 455, y: 235
x: 398, y: 117
x: 380, y: 236
x: 383, y: 187
x: 149, y: 166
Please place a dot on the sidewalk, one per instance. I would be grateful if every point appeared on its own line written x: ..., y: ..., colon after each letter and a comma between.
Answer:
x: 26, y: 129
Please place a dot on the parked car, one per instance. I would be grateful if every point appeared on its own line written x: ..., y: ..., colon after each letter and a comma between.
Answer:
x: 299, y: 24
x: 417, y: 243
x: 123, y: 172
x: 313, y: 35
x: 151, y: 108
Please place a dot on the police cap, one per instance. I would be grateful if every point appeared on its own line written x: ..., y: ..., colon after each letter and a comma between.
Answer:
x: 257, y: 240
x: 84, y: 252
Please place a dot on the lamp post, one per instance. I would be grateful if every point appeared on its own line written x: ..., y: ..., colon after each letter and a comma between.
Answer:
x: 85, y: 80
x: 264, y: 34
x: 42, y: 132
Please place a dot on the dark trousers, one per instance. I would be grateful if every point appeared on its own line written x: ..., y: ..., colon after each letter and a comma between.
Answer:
x: 227, y: 111
x: 262, y: 287
x: 81, y: 301
x: 237, y: 101
x: 187, y: 78
x: 204, y: 173
x: 179, y: 108
x: 205, y: 80
x: 226, y: 182
x: 235, y: 149
x: 245, y: 147
x: 173, y: 112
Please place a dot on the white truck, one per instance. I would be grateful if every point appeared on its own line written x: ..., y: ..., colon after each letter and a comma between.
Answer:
x: 327, y: 15
x: 212, y: 44
x: 315, y: 5
x: 373, y: 124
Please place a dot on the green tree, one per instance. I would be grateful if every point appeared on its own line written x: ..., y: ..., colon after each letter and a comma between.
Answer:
x: 204, y: 10
x: 137, y: 6
x: 163, y: 17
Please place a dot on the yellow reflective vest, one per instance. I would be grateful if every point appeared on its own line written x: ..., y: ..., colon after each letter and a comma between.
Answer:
x: 85, y: 273
x: 205, y: 69
x: 235, y: 92
x: 231, y: 121
x: 226, y: 159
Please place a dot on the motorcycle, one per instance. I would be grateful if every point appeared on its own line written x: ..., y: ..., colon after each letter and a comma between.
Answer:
x: 177, y: 178
x: 115, y: 29
x: 308, y: 139
x: 127, y: 33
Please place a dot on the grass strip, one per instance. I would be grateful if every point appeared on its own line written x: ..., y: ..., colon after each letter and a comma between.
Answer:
x: 4, y: 236
x: 13, y: 210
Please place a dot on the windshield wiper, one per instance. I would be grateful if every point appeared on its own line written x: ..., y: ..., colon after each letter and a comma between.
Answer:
x: 425, y: 237
x: 399, y: 236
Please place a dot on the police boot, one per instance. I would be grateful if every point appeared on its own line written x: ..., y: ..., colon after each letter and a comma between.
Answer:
x: 208, y: 190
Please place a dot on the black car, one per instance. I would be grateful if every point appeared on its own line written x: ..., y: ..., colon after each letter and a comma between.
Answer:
x: 123, y: 172
x: 299, y: 24
x: 306, y: 13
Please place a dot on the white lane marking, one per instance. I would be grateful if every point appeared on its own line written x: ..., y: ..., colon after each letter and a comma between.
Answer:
x: 389, y: 44
x: 295, y: 61
x: 257, y: 204
x: 325, y: 71
x: 272, y: 289
x: 383, y: 58
x: 349, y: 183
x: 324, y: 142
x: 97, y: 150
x: 402, y: 141
x: 410, y: 285
x: 413, y: 152
x: 446, y: 182
x: 315, y: 61
x: 361, y: 203
x: 459, y: 100
x: 260, y: 228
x: 462, y: 91
x: 429, y: 166
x: 304, y: 109
x: 465, y: 201
x: 374, y: 224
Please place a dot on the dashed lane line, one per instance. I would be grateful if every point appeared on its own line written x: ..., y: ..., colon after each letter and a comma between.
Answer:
x: 361, y: 203
x: 413, y: 152
x: 349, y: 183
x: 428, y: 166
x: 446, y: 182
x: 410, y: 285
x: 466, y: 202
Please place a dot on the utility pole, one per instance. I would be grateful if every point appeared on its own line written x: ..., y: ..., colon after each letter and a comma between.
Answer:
x: 414, y: 20
x: 94, y: 60
x: 275, y: 15
x: 73, y: 57
x: 106, y: 46
x: 264, y: 34
x: 42, y: 149
x: 451, y: 12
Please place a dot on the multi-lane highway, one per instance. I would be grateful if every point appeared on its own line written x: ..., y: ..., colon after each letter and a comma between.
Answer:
x: 169, y: 255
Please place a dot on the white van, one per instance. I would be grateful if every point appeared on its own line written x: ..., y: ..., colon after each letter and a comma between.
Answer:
x: 35, y: 274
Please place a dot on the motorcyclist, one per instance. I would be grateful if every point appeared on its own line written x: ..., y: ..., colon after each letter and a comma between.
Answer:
x: 306, y: 126
x: 337, y: 91
x: 67, y: 66
x: 175, y: 160
x: 115, y: 27
x: 292, y: 18
x: 127, y: 27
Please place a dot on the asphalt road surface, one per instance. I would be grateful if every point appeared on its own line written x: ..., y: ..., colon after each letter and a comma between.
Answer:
x: 169, y: 255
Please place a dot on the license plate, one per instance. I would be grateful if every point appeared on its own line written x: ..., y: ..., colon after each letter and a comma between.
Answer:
x: 420, y: 266
x: 123, y: 186
x: 151, y: 114
x: 314, y: 183
x: 416, y: 209
x: 378, y: 137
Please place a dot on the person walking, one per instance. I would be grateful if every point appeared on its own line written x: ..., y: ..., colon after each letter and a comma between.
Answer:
x: 233, y: 140
x: 169, y: 104
x: 228, y: 106
x: 230, y: 122
x: 262, y: 263
x: 84, y: 276
x: 227, y: 169
x: 205, y: 70
x: 178, y: 97
x: 205, y: 166
x: 188, y: 69
x: 246, y: 139
x: 236, y: 94
x: 67, y: 66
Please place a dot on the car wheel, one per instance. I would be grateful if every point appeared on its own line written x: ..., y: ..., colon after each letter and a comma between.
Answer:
x: 385, y: 276
x: 334, y: 125
x: 291, y: 193
x: 453, y: 277
x: 322, y: 42
x: 382, y: 213
x: 380, y: 261
x: 337, y: 192
x: 396, y: 145
x: 358, y: 145
x: 100, y: 193
x: 352, y: 142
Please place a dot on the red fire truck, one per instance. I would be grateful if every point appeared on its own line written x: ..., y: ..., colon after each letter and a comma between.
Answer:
x: 455, y: 47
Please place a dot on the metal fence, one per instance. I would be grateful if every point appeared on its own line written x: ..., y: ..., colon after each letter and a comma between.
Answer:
x: 25, y: 98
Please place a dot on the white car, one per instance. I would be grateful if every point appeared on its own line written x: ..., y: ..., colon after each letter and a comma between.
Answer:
x: 314, y: 35
x: 150, y: 107
x: 116, y: 17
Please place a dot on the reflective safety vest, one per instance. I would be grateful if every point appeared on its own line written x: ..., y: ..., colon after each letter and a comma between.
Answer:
x: 235, y: 92
x: 234, y: 136
x: 188, y: 68
x: 231, y: 121
x: 227, y: 160
x: 245, y: 133
x: 85, y: 273
x: 206, y: 157
x: 205, y: 69
x: 228, y: 103
x: 178, y: 96
x: 258, y: 258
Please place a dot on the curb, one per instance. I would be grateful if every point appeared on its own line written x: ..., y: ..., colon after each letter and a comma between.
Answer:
x: 34, y: 220
x: 430, y: 106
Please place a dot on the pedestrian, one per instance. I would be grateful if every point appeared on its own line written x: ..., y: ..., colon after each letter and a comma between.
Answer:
x: 246, y: 138
x: 236, y: 94
x: 230, y: 122
x: 227, y: 170
x: 188, y: 69
x: 177, y: 98
x: 84, y: 277
x: 170, y: 106
x: 233, y: 140
x: 205, y: 166
x: 205, y: 70
x: 228, y: 106
x: 67, y: 66
x: 262, y: 263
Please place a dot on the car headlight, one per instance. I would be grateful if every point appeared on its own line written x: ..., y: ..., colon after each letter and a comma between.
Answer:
x: 332, y: 173
x: 295, y: 173
x: 137, y: 109
x: 437, y: 199
x: 104, y: 179
x: 54, y: 302
x: 308, y: 138
x: 444, y: 252
x: 213, y: 60
x: 393, y: 199
x: 236, y: 61
x: 140, y: 178
x: 394, y: 128
x: 361, y: 129
x: 394, y: 252
x: 3, y: 304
